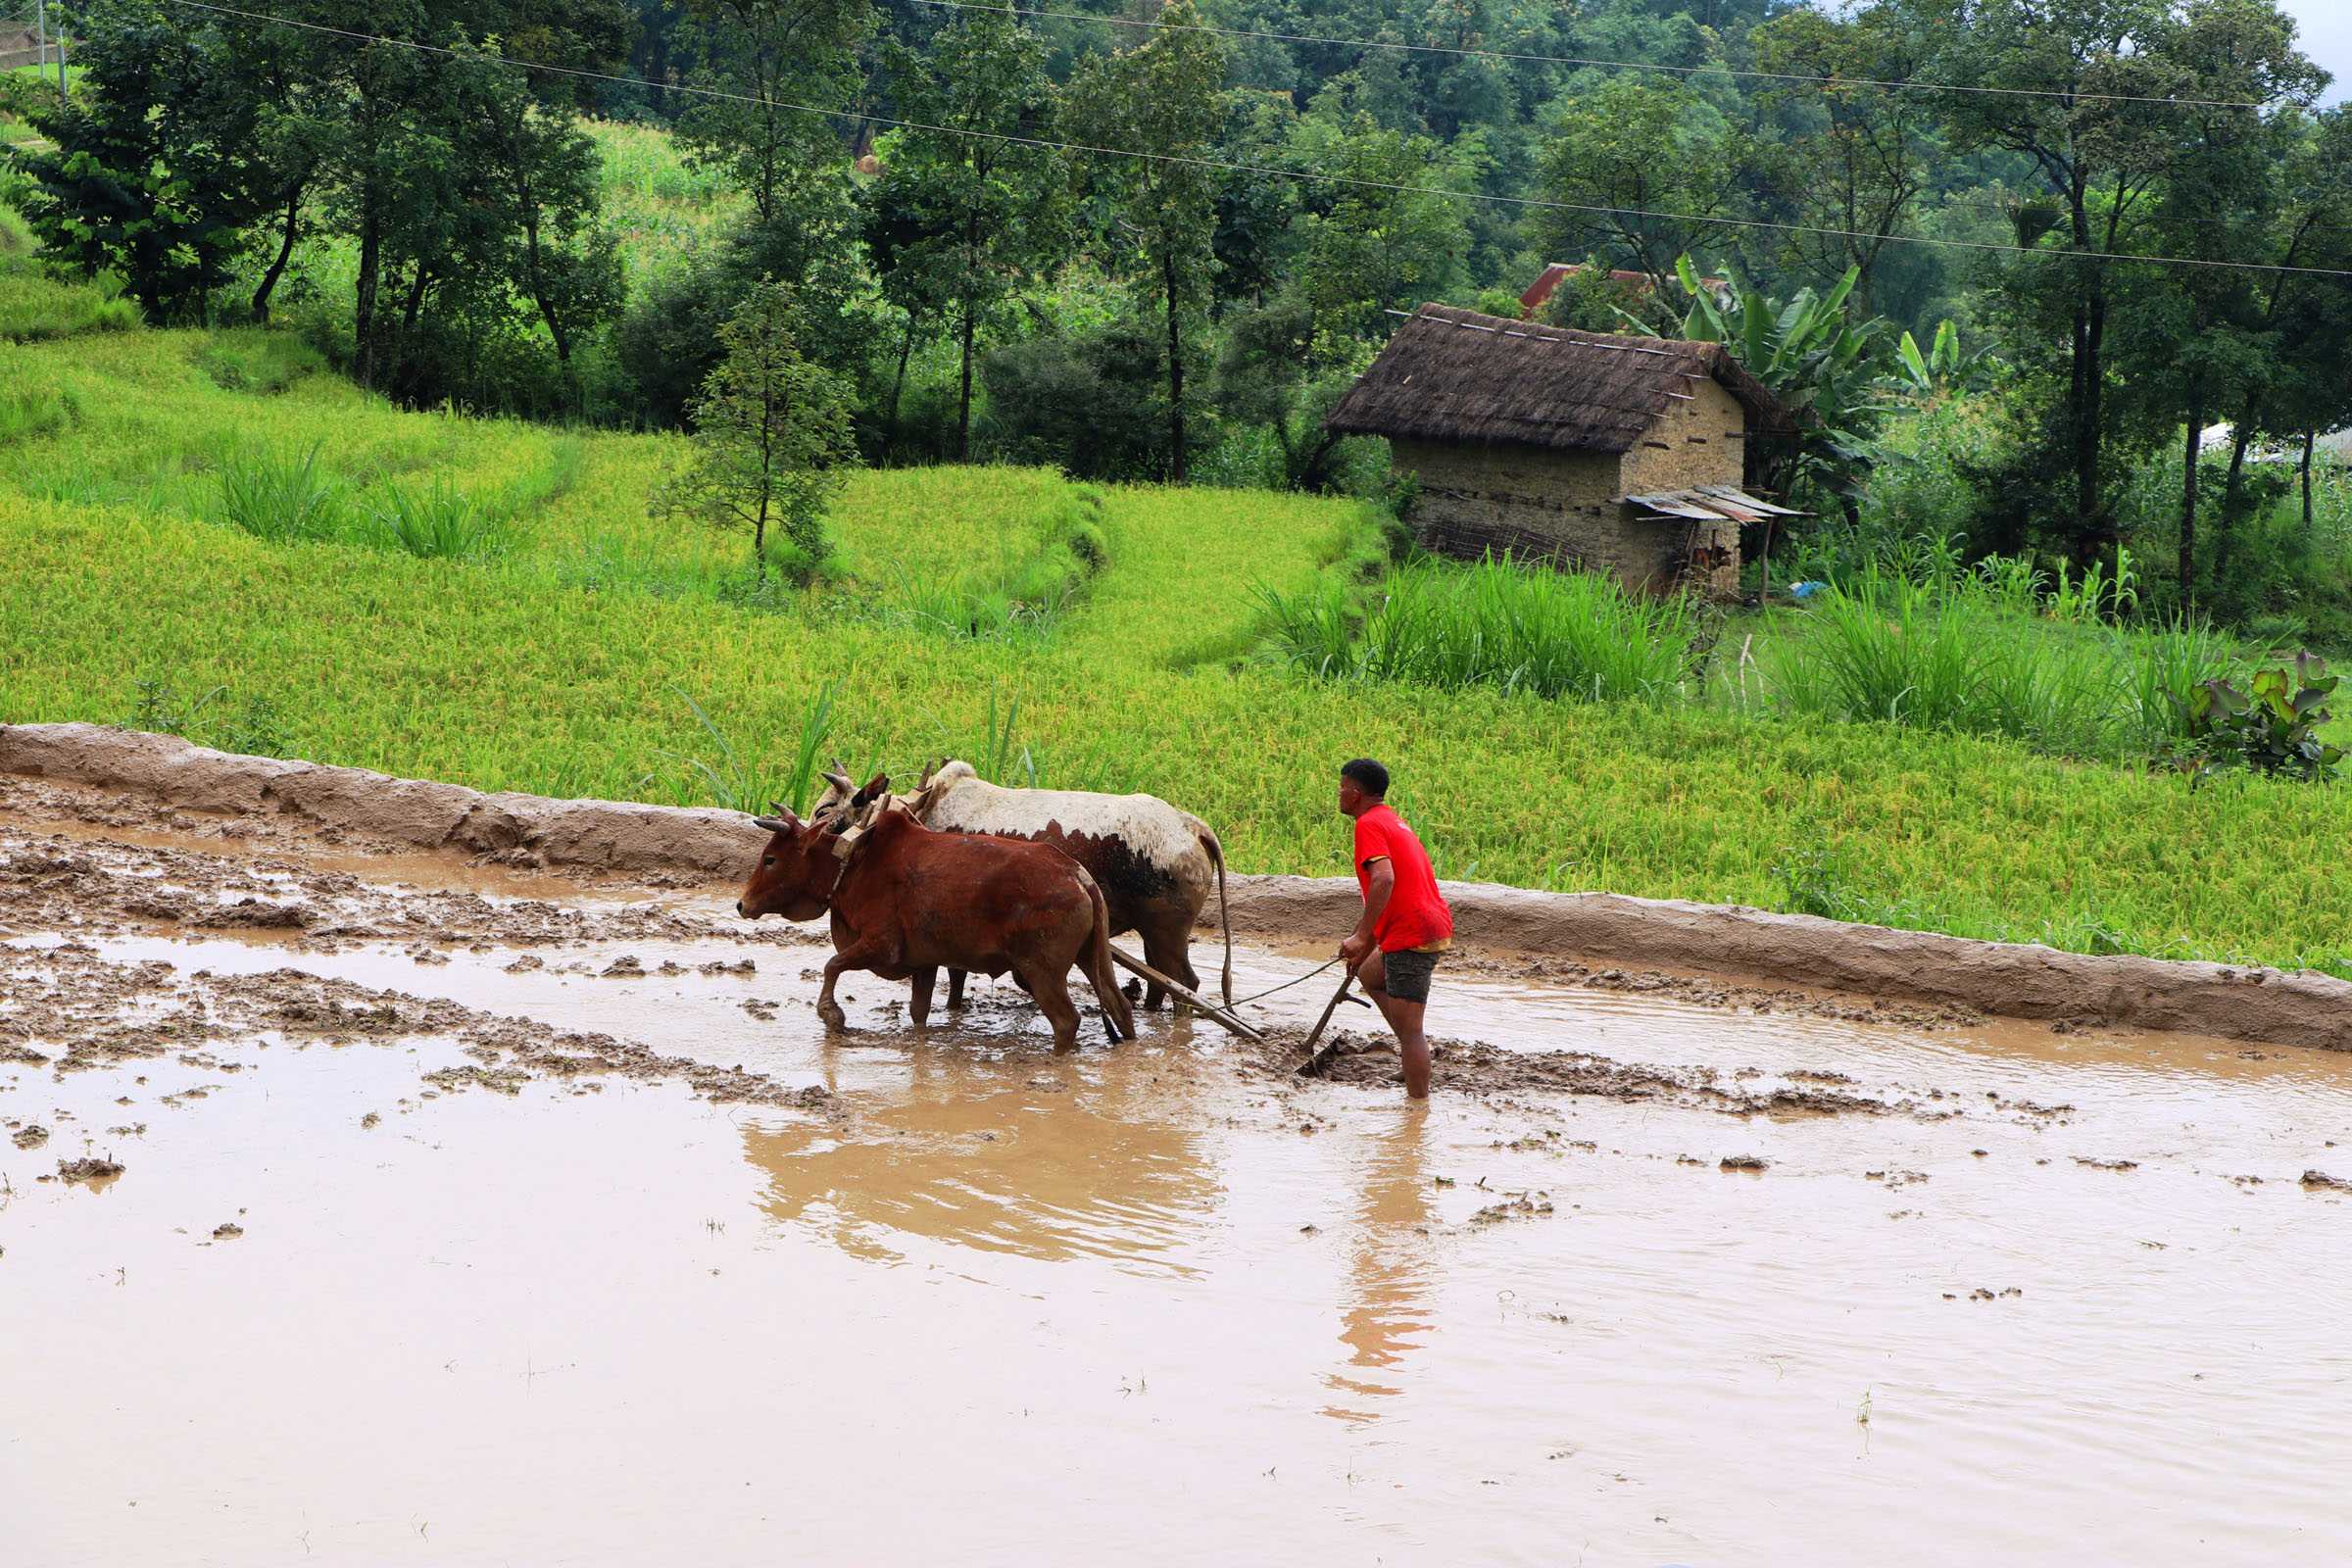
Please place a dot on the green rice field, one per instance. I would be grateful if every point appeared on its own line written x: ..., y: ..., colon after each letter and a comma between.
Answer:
x: 1115, y: 638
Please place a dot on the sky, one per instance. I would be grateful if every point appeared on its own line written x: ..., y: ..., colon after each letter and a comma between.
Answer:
x: 2328, y: 38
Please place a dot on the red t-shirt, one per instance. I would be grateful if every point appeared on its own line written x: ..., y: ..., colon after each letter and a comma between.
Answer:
x: 1417, y: 915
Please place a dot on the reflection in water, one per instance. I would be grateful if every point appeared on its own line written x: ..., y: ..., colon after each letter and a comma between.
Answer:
x: 1047, y: 1162
x: 1386, y: 1309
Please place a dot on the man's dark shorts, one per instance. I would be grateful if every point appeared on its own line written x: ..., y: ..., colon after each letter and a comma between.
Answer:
x: 1408, y: 974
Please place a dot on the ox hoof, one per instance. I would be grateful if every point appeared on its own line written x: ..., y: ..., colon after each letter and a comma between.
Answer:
x: 833, y: 1016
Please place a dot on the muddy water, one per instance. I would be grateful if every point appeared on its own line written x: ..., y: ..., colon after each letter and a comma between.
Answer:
x: 2059, y: 1299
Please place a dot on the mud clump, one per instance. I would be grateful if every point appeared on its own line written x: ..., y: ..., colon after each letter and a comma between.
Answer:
x: 227, y: 1232
x: 90, y: 1168
x: 33, y: 1137
x: 257, y: 915
x: 1474, y: 1068
x: 1748, y: 1163
x: 506, y: 1081
x: 105, y: 1013
x: 2320, y: 1181
x: 1518, y: 1205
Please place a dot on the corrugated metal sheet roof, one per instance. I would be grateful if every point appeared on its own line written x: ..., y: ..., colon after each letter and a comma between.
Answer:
x: 1710, y: 503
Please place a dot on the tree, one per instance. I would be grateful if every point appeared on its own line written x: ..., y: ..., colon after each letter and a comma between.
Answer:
x: 1376, y: 238
x: 2069, y: 77
x: 772, y: 58
x: 771, y: 441
x: 150, y: 173
x: 1858, y: 155
x: 979, y: 209
x: 1161, y: 100
x: 540, y: 179
x: 1821, y: 359
x: 1631, y: 147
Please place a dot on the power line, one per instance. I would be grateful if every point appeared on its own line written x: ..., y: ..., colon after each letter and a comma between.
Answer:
x: 1517, y: 57
x: 1525, y: 203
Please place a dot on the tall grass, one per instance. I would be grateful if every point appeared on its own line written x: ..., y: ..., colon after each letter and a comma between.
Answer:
x: 1953, y: 654
x: 283, y: 499
x: 1518, y: 629
x: 724, y: 774
x: 1018, y: 586
x: 437, y: 521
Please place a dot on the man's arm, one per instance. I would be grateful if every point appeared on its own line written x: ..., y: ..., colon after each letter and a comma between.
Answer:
x: 1382, y: 877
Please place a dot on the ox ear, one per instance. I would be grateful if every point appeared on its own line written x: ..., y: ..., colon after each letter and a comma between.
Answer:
x: 878, y: 785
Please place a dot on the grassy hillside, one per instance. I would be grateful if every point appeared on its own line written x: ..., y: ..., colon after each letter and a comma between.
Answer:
x: 558, y: 665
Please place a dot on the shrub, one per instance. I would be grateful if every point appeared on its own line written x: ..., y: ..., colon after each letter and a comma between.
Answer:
x: 2270, y: 728
x: 1093, y: 402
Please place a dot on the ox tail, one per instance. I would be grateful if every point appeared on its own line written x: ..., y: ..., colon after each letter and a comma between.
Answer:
x: 1116, y: 1010
x: 1217, y: 855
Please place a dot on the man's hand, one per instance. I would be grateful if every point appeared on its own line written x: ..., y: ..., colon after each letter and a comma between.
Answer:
x: 1355, y: 949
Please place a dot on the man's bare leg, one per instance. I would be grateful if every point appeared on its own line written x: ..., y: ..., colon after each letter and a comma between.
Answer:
x: 1405, y: 1022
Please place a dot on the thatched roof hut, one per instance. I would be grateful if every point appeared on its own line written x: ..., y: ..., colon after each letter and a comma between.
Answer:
x: 1451, y: 374
x: 1573, y: 445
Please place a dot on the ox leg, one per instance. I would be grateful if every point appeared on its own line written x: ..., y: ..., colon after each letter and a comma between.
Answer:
x: 857, y: 957
x: 1170, y: 952
x: 918, y: 1000
x: 955, y: 987
x: 1052, y: 989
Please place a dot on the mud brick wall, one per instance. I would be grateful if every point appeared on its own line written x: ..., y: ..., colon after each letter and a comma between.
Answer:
x: 1562, y: 507
x: 1701, y: 442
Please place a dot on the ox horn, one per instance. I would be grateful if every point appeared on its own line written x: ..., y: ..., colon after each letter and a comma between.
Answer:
x: 839, y: 780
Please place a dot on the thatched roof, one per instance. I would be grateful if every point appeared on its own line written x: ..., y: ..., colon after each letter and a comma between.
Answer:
x: 1451, y: 374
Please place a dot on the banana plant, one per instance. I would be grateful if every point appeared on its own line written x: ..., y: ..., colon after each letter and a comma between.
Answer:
x: 1942, y: 369
x: 1813, y: 356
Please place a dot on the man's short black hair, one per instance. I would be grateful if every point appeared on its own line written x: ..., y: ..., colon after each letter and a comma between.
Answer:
x: 1369, y: 776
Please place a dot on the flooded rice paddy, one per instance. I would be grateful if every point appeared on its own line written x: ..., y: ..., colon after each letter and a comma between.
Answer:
x: 364, y: 1210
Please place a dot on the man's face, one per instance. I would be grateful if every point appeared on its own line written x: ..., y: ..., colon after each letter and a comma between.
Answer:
x: 1351, y: 797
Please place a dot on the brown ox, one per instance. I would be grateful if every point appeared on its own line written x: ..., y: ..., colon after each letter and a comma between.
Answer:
x: 1155, y: 864
x: 907, y: 901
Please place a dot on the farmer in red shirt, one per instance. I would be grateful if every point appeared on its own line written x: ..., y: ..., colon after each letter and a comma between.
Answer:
x: 1394, y: 949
